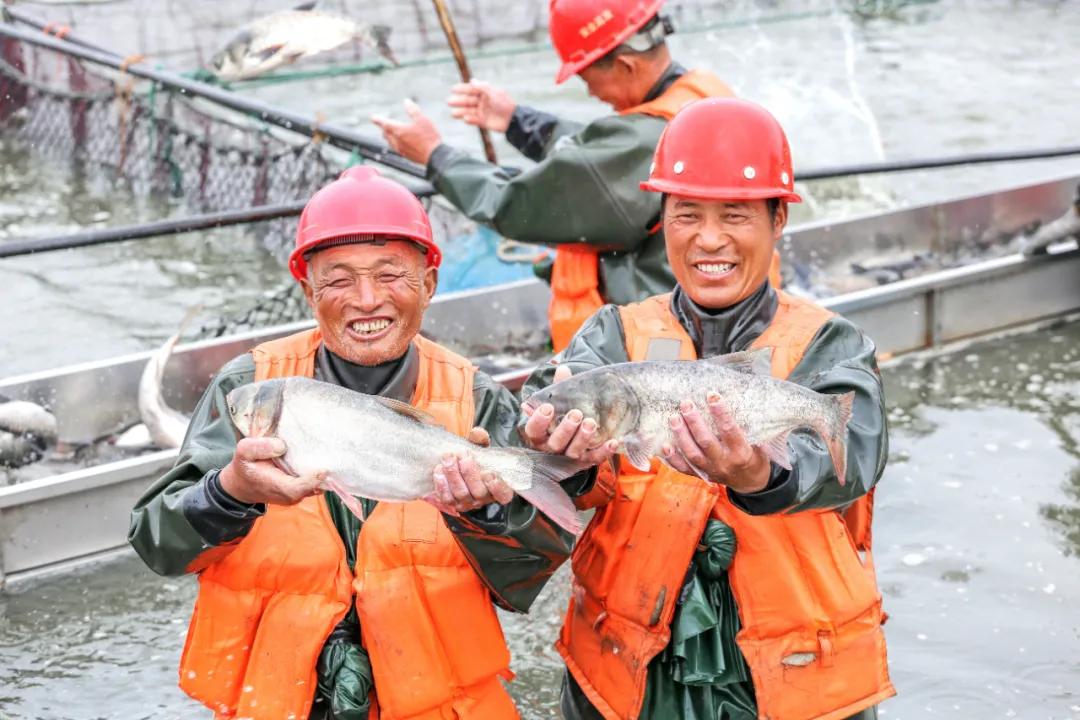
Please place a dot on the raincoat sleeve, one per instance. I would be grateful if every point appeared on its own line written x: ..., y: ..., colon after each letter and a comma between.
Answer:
x: 577, y: 194
x: 514, y: 548
x: 599, y: 341
x: 533, y: 132
x: 185, y: 519
x: 840, y: 359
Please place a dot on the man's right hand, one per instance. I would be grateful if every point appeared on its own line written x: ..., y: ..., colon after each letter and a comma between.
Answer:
x: 251, y: 476
x: 481, y: 104
x: 574, y: 437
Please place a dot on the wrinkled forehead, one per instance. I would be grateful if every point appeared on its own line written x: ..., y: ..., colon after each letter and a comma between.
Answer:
x: 367, y: 254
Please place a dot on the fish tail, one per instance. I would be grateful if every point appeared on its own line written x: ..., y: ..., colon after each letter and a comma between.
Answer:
x: 545, y: 493
x: 834, y: 432
x: 379, y: 36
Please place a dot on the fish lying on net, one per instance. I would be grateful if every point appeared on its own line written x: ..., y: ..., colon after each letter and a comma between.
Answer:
x: 285, y: 37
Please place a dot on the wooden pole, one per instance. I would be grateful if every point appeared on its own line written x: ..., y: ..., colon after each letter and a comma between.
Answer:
x: 447, y: 23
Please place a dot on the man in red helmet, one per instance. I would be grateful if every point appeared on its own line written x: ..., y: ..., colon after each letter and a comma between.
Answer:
x: 303, y: 610
x: 712, y: 525
x: 581, y: 195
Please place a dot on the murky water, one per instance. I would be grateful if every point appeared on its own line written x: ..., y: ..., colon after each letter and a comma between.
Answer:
x: 926, y: 78
x: 977, y: 539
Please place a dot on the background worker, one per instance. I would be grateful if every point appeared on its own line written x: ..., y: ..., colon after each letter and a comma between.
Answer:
x: 582, y: 195
x: 794, y: 544
x: 303, y: 610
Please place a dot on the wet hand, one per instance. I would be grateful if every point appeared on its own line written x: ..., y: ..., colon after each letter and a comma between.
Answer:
x: 251, y: 476
x: 575, y: 436
x: 481, y: 104
x: 416, y: 139
x: 461, y: 485
x: 723, y: 456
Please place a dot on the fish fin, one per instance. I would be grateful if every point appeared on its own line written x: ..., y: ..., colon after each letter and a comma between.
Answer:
x: 753, y: 362
x: 776, y: 449
x: 283, y: 465
x: 545, y: 493
x: 638, y: 452
x: 406, y: 409
x: 833, y: 430
x: 696, y: 470
x: 268, y: 52
x: 350, y: 501
x: 306, y: 6
x: 380, y: 36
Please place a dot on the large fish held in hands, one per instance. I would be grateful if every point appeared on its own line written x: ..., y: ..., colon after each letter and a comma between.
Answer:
x: 285, y: 37
x: 633, y: 403
x: 383, y: 449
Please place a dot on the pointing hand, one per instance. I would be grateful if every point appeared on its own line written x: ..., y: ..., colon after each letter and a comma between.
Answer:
x: 416, y: 139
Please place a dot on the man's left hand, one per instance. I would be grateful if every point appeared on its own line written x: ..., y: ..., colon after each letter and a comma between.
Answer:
x: 460, y: 484
x: 723, y: 455
x: 416, y: 139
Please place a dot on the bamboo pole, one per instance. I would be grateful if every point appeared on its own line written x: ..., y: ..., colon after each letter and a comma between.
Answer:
x: 447, y: 23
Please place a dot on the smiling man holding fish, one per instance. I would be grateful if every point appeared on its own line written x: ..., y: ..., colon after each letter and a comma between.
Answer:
x: 733, y: 489
x: 305, y: 610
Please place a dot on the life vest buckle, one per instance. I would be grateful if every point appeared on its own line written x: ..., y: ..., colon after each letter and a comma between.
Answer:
x: 828, y: 652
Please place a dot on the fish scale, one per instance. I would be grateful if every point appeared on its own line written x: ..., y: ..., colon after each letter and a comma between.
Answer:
x: 633, y: 403
x: 385, y: 450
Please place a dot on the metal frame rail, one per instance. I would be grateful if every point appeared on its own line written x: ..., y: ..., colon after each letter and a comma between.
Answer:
x: 344, y: 138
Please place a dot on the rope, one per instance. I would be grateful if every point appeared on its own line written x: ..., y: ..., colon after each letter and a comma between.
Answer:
x: 513, y: 251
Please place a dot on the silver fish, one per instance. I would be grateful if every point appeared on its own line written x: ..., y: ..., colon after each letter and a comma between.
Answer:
x: 383, y: 449
x: 26, y: 429
x: 1057, y: 231
x: 285, y: 37
x: 165, y: 426
x: 633, y: 403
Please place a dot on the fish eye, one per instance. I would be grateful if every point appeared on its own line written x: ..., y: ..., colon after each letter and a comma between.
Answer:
x: 232, y: 409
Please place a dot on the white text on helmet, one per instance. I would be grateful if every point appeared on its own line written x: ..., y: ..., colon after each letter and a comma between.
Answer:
x: 596, y: 23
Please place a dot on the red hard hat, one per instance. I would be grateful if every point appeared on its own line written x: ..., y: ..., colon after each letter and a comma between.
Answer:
x: 361, y: 205
x: 583, y: 31
x: 723, y: 149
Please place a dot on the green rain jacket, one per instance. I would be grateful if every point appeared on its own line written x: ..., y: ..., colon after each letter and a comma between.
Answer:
x: 186, y: 513
x: 701, y: 673
x: 583, y: 189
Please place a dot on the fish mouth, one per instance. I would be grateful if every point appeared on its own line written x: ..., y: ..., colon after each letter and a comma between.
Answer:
x: 369, y: 329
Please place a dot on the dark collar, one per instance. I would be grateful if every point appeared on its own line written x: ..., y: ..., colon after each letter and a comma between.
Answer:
x: 393, y: 379
x: 732, y: 329
x: 674, y: 72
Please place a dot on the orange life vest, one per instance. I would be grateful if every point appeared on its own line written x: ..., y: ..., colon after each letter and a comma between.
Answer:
x: 265, y: 610
x: 810, y: 608
x: 575, y: 276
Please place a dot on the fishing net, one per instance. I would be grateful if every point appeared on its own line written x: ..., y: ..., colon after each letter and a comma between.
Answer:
x: 199, y: 157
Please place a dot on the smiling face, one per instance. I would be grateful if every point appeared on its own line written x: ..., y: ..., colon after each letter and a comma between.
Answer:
x: 719, y: 250
x: 369, y: 299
